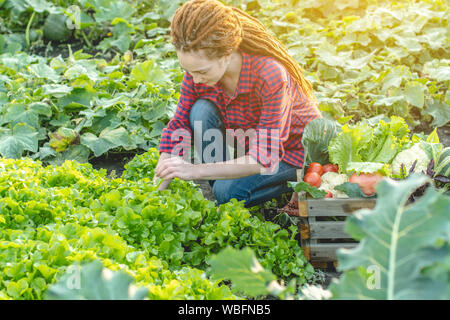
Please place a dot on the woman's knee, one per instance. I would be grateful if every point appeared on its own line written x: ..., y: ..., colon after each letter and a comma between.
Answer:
x: 225, y: 190
x: 205, y: 111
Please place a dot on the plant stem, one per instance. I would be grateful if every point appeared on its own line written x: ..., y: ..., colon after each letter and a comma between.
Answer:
x: 89, y: 44
x: 27, y: 32
x: 91, y: 32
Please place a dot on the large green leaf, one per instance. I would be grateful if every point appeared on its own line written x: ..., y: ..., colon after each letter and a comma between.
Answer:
x: 328, y: 54
x: 22, y: 137
x: 395, y: 244
x: 93, y: 282
x: 108, y: 139
x: 56, y: 90
x: 243, y: 269
x: 42, y: 70
x: 437, y: 70
x: 78, y: 98
x: 414, y: 93
x: 41, y: 108
x: 107, y: 10
x: 83, y: 68
x: 395, y: 77
x: 121, y: 36
x: 41, y: 6
x: 440, y: 111
x: 17, y: 6
x: 149, y: 71
x: 17, y: 113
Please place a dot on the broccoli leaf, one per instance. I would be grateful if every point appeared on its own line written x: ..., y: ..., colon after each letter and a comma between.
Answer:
x: 244, y: 270
x: 395, y: 246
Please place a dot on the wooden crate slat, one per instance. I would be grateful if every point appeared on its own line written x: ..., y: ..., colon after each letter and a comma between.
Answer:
x: 303, y: 208
x: 327, y: 230
x: 305, y: 232
x: 335, y: 207
x: 327, y: 251
x: 307, y: 252
x: 319, y: 234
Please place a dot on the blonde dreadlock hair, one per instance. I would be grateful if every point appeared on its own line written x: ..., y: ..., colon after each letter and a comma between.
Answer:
x: 219, y: 30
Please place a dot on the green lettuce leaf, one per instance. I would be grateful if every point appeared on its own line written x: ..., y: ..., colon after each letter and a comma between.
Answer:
x: 389, y: 138
x: 368, y: 142
x: 368, y: 167
x: 347, y: 146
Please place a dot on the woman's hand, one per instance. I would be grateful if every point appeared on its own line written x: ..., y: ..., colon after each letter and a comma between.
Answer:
x: 176, y: 167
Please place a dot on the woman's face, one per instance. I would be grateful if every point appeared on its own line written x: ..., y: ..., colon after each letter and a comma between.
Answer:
x: 202, y: 69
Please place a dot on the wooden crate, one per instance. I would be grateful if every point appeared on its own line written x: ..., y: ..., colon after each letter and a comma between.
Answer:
x: 322, y: 223
x: 321, y: 227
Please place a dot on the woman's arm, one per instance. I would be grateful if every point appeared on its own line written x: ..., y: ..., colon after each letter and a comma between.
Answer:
x: 232, y: 169
x: 171, y: 167
x: 165, y: 184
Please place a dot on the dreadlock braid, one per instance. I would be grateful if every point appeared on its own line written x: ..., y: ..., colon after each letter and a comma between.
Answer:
x: 219, y: 30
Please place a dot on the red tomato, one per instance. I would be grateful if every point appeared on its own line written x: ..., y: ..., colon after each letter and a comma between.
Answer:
x: 330, y: 168
x: 313, y: 179
x: 315, y: 167
x: 367, y: 182
x: 329, y: 194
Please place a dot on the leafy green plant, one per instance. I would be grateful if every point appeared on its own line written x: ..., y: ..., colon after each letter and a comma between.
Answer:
x: 247, y: 276
x: 131, y: 76
x: 403, y: 253
x: 363, y: 142
x: 71, y: 213
x: 303, y: 186
x: 93, y: 282
x: 397, y: 242
x: 89, y: 97
x: 230, y: 224
x: 367, y: 58
x: 48, y: 211
x: 243, y: 269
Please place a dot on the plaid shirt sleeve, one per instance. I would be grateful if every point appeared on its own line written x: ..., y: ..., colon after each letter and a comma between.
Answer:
x: 266, y: 147
x: 178, y: 132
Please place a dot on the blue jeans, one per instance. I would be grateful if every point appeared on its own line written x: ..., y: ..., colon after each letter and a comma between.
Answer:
x: 254, y: 189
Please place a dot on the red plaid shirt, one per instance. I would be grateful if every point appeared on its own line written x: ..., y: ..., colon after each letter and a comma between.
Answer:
x: 267, y: 97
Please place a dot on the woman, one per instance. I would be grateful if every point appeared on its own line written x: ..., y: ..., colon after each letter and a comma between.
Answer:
x: 239, y: 81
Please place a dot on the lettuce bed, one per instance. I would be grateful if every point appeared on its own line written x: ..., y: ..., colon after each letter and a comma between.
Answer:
x: 52, y: 217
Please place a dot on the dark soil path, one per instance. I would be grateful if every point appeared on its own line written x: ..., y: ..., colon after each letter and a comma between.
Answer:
x: 444, y: 135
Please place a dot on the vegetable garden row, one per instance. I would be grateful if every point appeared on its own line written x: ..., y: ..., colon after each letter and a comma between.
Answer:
x: 83, y: 79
